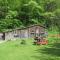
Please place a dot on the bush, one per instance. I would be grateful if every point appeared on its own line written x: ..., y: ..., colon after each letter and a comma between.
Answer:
x: 23, y: 42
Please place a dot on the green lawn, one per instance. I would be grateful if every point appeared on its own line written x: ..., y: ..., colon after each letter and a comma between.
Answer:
x: 13, y: 50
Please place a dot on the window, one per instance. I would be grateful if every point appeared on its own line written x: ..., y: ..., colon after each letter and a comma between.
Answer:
x: 42, y: 34
x: 33, y: 34
x: 37, y: 34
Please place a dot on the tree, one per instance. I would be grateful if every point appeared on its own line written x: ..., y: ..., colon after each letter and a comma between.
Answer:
x: 3, y: 8
x: 50, y: 6
x: 29, y: 11
x: 26, y: 12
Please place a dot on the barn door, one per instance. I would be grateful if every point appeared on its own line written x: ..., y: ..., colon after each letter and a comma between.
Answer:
x: 3, y: 37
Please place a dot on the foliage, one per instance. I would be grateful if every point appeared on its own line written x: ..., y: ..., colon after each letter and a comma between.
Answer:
x: 23, y: 42
x: 10, y: 24
x: 26, y: 12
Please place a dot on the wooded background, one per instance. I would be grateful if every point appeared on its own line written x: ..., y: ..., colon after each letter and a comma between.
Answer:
x: 22, y: 13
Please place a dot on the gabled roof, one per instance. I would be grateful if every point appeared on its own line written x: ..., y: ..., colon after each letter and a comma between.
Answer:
x: 36, y: 25
x: 30, y: 27
x: 21, y: 28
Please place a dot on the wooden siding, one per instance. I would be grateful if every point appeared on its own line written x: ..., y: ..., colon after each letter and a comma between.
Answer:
x: 29, y: 32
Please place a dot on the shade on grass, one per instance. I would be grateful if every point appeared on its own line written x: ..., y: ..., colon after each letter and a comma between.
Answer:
x: 13, y: 50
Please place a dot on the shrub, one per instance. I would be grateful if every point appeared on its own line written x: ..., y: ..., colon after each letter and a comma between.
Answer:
x: 23, y: 42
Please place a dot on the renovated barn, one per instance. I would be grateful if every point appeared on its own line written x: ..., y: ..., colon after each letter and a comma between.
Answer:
x: 26, y: 32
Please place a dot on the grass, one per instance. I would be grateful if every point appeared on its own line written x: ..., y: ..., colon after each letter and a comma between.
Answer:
x: 13, y: 50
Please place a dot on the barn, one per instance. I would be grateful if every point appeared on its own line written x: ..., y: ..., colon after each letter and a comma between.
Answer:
x: 26, y: 32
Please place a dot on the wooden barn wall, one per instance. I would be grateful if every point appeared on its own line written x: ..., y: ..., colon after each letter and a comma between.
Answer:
x: 9, y: 35
x: 36, y: 30
x: 24, y: 33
